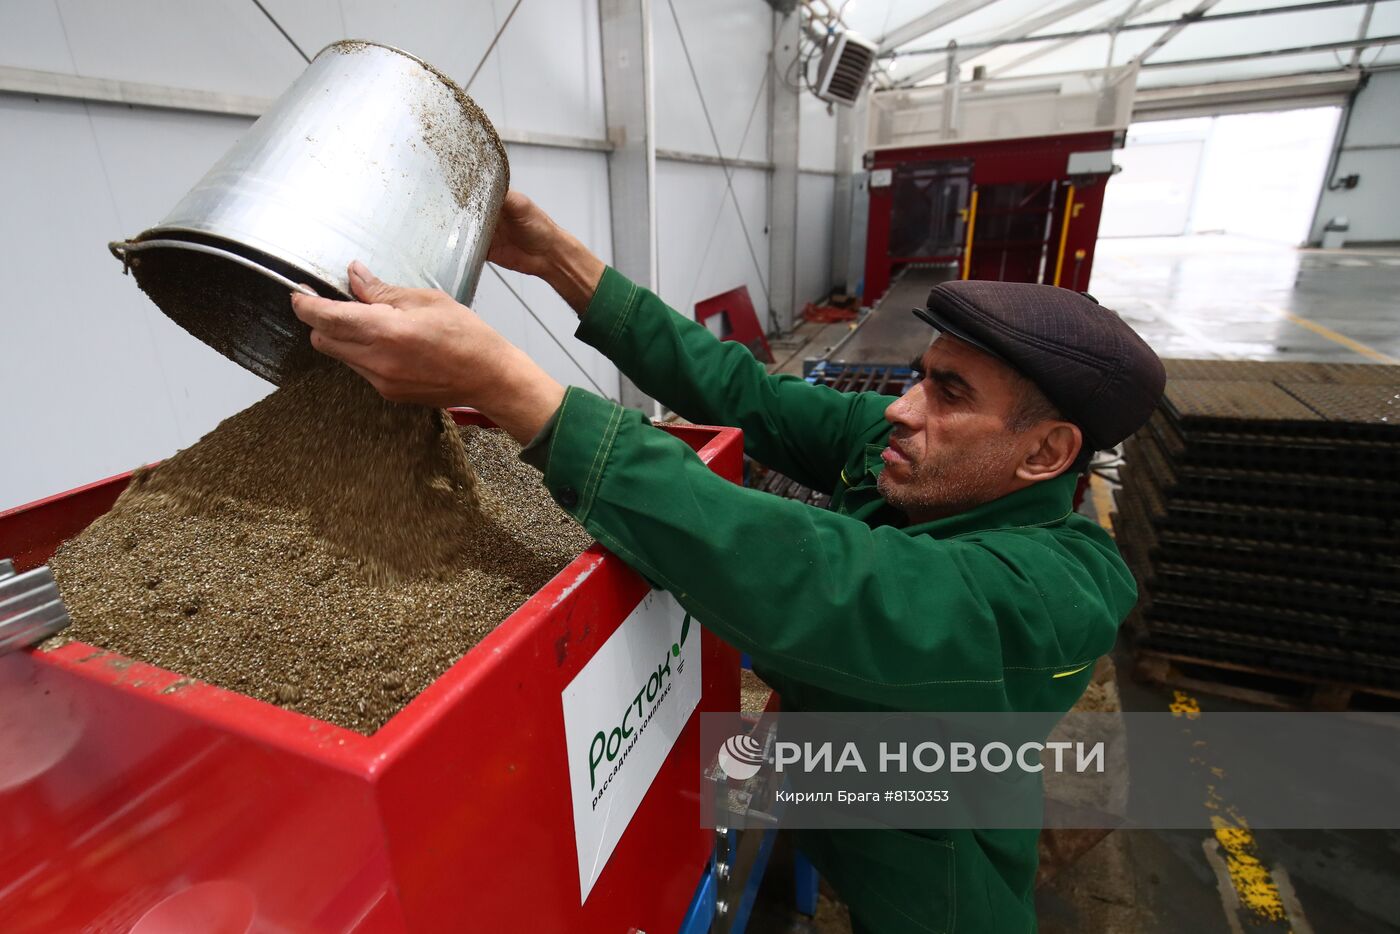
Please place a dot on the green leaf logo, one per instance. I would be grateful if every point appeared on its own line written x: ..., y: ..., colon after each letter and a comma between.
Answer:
x: 685, y: 630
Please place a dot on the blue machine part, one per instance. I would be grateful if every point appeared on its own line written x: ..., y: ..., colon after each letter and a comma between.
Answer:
x: 885, y: 378
x: 700, y: 916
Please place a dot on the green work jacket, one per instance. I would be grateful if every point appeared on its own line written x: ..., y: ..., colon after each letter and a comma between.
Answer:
x: 1003, y: 607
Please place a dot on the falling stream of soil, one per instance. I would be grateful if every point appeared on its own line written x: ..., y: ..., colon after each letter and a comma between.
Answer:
x: 324, y: 549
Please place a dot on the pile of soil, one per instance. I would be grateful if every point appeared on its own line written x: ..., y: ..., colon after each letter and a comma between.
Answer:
x: 324, y: 549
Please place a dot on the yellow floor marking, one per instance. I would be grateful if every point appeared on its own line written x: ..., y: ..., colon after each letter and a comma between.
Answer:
x: 1251, y: 878
x: 1370, y: 353
x: 1252, y: 881
x: 1102, y: 499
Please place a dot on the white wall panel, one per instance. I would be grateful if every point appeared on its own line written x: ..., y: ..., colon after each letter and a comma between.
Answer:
x: 729, y: 42
x: 1370, y: 206
x: 31, y: 36
x: 700, y: 242
x: 99, y: 381
x: 815, y: 201
x: 543, y: 76
x: 212, y: 45
x: 549, y: 63
x: 817, y: 131
x: 573, y: 188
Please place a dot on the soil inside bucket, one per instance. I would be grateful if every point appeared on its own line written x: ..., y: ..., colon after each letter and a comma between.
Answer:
x: 239, y: 312
x: 324, y: 549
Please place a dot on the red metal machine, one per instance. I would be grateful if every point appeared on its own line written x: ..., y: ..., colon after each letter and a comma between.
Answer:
x: 994, y: 179
x: 1008, y: 210
x: 134, y: 800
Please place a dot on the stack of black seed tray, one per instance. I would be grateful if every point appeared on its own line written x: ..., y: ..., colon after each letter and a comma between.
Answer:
x: 1260, y: 513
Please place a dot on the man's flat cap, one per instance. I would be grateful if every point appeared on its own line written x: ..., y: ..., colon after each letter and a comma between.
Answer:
x: 1087, y: 360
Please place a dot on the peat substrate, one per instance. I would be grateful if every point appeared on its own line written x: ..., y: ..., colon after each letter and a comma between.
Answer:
x: 324, y: 550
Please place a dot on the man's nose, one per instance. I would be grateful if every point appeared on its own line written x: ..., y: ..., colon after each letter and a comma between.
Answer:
x: 903, y: 411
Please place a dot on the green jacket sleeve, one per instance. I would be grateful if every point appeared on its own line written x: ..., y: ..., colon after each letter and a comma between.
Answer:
x: 874, y: 613
x: 796, y: 428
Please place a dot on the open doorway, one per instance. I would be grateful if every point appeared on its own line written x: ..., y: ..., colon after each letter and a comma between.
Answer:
x: 1252, y: 175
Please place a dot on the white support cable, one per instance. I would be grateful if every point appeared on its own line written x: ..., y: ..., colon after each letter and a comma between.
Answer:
x: 724, y: 164
x: 560, y: 344
x: 719, y: 215
x: 490, y: 48
x: 285, y: 35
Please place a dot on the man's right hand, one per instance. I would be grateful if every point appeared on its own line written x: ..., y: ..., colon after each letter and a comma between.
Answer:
x: 528, y: 240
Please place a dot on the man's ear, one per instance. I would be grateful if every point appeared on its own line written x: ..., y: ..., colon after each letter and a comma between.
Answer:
x: 1055, y: 446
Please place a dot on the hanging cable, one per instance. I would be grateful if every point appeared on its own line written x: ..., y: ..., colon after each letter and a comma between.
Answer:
x: 724, y: 163
x: 285, y: 35
x: 487, y: 54
x: 719, y: 215
x: 560, y: 344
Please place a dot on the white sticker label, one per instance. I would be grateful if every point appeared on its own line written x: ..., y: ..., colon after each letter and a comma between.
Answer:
x: 622, y: 714
x: 881, y: 178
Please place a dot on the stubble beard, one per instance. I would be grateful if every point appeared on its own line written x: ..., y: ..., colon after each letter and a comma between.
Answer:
x: 951, y: 482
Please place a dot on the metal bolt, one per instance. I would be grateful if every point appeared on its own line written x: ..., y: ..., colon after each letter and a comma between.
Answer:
x: 722, y: 871
x: 721, y: 907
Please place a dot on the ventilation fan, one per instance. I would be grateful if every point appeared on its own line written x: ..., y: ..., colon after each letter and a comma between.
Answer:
x: 845, y: 63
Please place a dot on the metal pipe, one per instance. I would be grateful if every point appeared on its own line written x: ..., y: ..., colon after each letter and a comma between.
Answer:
x: 971, y: 226
x: 1064, y: 233
x: 1361, y: 31
x: 1274, y: 53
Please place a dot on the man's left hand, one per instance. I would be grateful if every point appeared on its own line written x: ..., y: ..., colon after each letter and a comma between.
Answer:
x: 418, y: 345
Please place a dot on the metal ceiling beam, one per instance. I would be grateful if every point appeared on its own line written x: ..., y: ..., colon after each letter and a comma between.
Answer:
x: 1106, y: 26
x: 1361, y: 33
x: 1193, y: 16
x: 1020, y: 30
x: 1120, y: 23
x: 1248, y: 95
x: 937, y: 18
x: 1275, y: 53
x: 785, y: 108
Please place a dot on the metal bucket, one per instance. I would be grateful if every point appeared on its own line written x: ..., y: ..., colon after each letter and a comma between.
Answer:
x: 371, y: 154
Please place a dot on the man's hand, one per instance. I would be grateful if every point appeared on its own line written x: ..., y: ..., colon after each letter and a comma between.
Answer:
x: 529, y: 241
x: 418, y: 345
x: 525, y: 238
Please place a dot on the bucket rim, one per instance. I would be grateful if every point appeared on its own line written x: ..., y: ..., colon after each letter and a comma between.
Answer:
x: 122, y: 250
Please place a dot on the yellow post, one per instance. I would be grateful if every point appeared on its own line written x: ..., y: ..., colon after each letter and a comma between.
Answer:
x: 971, y: 226
x: 1064, y: 233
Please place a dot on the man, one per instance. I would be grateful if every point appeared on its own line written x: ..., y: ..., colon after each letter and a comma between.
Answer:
x: 951, y: 572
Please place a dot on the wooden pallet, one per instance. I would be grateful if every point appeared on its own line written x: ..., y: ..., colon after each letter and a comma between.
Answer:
x: 1265, y: 687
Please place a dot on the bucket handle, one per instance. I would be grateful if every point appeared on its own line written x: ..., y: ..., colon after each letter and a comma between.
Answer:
x: 122, y: 250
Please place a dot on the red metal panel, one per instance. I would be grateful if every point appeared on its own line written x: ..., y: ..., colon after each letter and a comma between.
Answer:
x: 997, y: 162
x: 737, y: 309
x: 131, y: 799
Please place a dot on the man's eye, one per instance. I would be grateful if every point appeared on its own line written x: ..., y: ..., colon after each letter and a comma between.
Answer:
x: 949, y: 395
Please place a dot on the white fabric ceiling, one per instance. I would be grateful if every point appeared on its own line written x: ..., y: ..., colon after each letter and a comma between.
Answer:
x: 1169, y: 65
